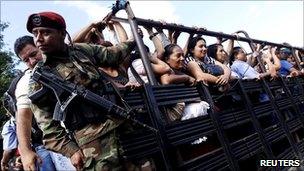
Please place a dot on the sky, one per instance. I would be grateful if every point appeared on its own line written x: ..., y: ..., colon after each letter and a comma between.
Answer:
x: 274, y: 21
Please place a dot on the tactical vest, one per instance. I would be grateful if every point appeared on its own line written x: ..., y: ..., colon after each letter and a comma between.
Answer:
x: 78, y: 68
x: 9, y: 103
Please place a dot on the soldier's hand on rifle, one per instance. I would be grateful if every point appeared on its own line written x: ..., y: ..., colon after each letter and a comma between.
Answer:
x: 77, y: 160
x: 29, y: 160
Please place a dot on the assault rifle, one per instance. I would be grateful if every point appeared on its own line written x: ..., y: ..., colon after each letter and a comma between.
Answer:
x: 62, y: 88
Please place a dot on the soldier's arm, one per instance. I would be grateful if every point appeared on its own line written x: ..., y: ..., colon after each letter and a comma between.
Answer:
x: 82, y: 34
x: 114, y: 54
x: 55, y: 136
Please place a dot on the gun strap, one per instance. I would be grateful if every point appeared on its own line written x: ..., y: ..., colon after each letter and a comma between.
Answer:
x: 75, y: 61
x: 136, y: 75
x: 127, y: 106
x: 115, y: 88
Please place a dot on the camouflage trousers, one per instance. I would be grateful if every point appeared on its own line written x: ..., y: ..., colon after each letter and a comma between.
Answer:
x: 103, y: 154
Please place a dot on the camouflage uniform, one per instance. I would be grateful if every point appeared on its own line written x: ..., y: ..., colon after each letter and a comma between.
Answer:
x: 96, y: 138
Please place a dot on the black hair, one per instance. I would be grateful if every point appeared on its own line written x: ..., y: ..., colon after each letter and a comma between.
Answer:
x: 287, y: 51
x: 21, y: 42
x: 192, y: 43
x: 169, y: 50
x: 135, y: 54
x: 301, y: 55
x: 106, y: 44
x: 212, y: 49
x: 234, y: 52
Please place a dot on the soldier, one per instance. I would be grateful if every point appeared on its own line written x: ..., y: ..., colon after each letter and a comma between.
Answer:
x: 29, y: 135
x: 95, y: 145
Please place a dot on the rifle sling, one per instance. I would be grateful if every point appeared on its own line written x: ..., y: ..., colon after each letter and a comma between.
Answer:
x: 136, y: 75
x: 102, y: 74
x: 115, y: 88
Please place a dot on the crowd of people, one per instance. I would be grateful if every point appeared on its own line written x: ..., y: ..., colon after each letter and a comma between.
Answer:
x: 87, y: 139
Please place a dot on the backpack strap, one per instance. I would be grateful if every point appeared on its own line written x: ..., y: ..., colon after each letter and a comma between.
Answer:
x: 9, y: 98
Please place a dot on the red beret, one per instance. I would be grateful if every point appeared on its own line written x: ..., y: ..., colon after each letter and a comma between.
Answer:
x: 45, y: 19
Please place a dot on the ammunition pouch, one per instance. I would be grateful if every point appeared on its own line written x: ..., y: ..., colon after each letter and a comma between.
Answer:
x: 42, y: 96
x: 80, y: 113
x: 36, y: 133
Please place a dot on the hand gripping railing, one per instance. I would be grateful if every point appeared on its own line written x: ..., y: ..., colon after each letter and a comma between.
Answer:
x: 171, y: 26
x: 156, y: 120
x: 123, y: 4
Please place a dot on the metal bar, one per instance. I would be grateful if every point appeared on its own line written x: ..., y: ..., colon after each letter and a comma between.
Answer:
x: 152, y: 23
x: 254, y: 119
x: 252, y: 46
x: 296, y: 58
x: 282, y: 122
x: 158, y: 123
x: 203, y: 90
x: 293, y: 102
x: 140, y: 45
x: 239, y: 31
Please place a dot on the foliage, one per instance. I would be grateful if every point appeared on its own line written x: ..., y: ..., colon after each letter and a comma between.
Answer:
x: 7, y: 71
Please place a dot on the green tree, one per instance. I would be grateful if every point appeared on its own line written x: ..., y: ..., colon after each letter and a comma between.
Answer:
x: 7, y: 71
